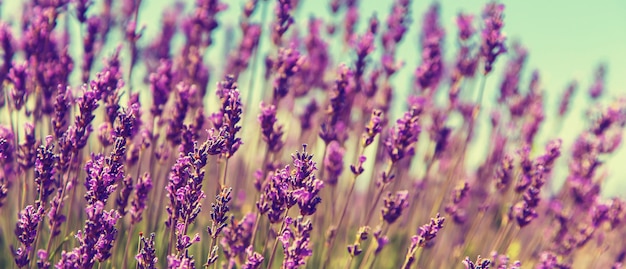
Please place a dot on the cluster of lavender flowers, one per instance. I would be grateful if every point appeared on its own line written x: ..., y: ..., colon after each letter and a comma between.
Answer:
x: 253, y: 173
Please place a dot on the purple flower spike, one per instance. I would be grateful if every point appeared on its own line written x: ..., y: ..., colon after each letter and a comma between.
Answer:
x: 283, y: 20
x: 18, y: 75
x: 55, y: 214
x: 146, y: 258
x: 306, y: 186
x: 138, y: 205
x: 373, y: 128
x: 237, y: 236
x: 295, y: 241
x: 333, y: 163
x: 479, y: 264
x: 26, y: 231
x: 492, y: 37
x: 430, y: 70
x: 597, y: 88
x: 397, y: 24
x: 271, y: 131
x: 567, y: 97
x: 402, y: 138
x: 361, y: 235
x: 254, y: 260
x: 185, y: 94
x: 429, y: 231
x: 465, y: 24
x: 288, y: 63
x: 45, y: 169
x: 161, y: 86
x: 394, y: 205
x: 229, y: 115
x: 219, y: 209
x: 358, y: 168
x: 62, y: 104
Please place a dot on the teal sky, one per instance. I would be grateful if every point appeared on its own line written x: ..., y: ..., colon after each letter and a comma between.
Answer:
x: 566, y: 40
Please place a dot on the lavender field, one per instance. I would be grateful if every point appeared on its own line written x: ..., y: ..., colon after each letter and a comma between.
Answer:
x: 280, y: 139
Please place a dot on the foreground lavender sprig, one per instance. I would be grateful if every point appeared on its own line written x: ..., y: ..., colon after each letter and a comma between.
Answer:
x: 295, y: 241
x: 424, y: 235
x: 146, y: 258
x: 218, y: 217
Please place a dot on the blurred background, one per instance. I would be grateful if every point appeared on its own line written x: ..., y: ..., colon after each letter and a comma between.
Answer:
x: 566, y: 40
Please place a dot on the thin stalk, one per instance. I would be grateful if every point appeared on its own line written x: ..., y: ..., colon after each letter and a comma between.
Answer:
x: 370, y: 213
x: 282, y: 227
x: 130, y: 235
x: 255, y: 57
x: 256, y: 228
x: 370, y: 249
x: 342, y: 216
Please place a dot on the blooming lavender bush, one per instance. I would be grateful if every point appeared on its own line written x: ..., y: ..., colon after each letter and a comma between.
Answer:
x: 139, y: 162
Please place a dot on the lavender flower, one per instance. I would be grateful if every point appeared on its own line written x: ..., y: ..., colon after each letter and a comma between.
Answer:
x: 218, y: 212
x: 18, y: 75
x: 26, y: 232
x: 271, y: 131
x: 429, y: 72
x: 361, y: 235
x: 55, y: 214
x: 394, y: 205
x: 254, y: 261
x: 567, y: 97
x: 333, y: 163
x: 138, y: 205
x: 229, y: 115
x: 428, y: 232
x: 236, y: 238
x: 28, y: 149
x: 62, y: 104
x: 45, y: 170
x: 161, y: 86
x: 402, y: 138
x: 124, y: 195
x: 597, y: 88
x: 287, y: 64
x: 373, y: 128
x: 295, y: 241
x: 185, y: 92
x: 283, y: 20
x: 306, y: 186
x: 492, y: 37
x: 146, y: 258
x: 479, y: 264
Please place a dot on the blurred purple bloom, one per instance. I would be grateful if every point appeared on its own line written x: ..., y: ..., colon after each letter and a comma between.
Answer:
x: 283, y: 20
x: 138, y: 205
x: 254, y: 260
x: 271, y: 131
x: 333, y: 163
x: 229, y: 115
x: 402, y: 138
x: 492, y: 37
x: 393, y: 205
x: 287, y: 64
x: 597, y: 88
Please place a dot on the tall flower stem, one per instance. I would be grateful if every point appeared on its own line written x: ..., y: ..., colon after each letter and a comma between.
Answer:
x: 255, y: 57
x: 130, y: 235
x: 370, y: 248
x: 370, y: 212
x: 282, y: 228
x: 329, y: 249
